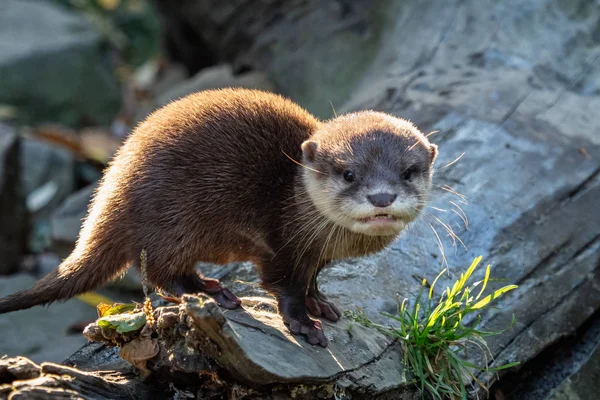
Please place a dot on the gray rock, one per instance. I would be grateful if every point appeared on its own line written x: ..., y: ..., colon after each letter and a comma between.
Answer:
x: 48, y: 175
x: 582, y: 385
x: 256, y: 348
x: 13, y: 215
x: 40, y: 333
x: 53, y: 66
x: 220, y: 76
x: 67, y: 219
x: 287, y: 40
x: 22, y: 379
x: 282, y: 357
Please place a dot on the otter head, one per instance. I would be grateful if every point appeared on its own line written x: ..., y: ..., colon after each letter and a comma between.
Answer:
x: 368, y: 172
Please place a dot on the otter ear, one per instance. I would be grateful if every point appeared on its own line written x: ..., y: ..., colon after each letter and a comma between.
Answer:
x: 309, y: 150
x: 433, y: 149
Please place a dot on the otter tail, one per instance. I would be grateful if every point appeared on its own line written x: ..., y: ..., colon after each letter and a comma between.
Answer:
x: 88, y: 268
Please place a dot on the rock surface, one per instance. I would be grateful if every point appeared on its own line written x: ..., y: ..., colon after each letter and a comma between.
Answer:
x: 13, y: 215
x: 583, y: 384
x: 22, y: 379
x: 198, y: 335
x: 48, y: 72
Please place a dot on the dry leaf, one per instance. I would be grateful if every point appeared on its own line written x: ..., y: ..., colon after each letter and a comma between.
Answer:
x: 170, y: 299
x: 140, y: 350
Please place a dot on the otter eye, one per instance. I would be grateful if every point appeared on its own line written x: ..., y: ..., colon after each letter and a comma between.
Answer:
x: 407, y: 174
x: 349, y: 176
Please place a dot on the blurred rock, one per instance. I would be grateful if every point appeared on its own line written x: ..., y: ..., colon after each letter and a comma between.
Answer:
x: 40, y: 333
x: 48, y: 175
x: 53, y: 66
x: 67, y: 219
x: 13, y: 215
x: 48, y: 178
x: 46, y: 263
x: 220, y: 76
x: 284, y: 39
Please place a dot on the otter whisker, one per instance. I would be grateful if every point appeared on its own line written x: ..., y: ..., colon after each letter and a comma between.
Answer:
x: 414, y: 145
x: 435, y: 208
x: 440, y: 246
x: 451, y: 233
x: 302, y: 165
x: 455, y: 161
x: 333, y: 109
x: 463, y: 216
x: 454, y: 192
x: 432, y: 132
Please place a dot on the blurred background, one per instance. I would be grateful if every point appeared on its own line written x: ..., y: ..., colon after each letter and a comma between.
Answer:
x: 513, y: 88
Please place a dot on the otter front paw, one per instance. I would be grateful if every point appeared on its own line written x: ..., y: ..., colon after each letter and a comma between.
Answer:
x: 311, y: 329
x: 319, y: 306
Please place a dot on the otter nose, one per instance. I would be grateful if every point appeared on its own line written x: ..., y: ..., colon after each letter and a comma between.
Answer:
x: 382, y: 199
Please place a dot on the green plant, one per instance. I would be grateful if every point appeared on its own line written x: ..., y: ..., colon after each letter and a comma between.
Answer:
x: 434, y: 337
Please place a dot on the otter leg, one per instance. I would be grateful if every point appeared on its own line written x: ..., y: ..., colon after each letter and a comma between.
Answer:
x: 181, y: 277
x: 318, y: 304
x: 196, y: 283
x: 290, y: 289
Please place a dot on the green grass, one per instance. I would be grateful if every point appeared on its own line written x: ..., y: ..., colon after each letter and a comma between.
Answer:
x: 434, y: 338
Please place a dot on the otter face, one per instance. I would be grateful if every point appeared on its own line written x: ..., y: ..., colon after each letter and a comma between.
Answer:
x: 369, y: 172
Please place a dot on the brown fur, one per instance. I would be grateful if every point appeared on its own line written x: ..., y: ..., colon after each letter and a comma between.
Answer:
x: 207, y: 178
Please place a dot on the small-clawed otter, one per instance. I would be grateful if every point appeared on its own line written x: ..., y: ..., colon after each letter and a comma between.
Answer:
x: 231, y: 175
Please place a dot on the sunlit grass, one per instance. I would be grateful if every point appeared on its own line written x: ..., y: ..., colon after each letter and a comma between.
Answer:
x: 434, y: 338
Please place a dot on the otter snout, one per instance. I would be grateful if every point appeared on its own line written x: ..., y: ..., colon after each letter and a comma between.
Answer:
x: 382, y: 199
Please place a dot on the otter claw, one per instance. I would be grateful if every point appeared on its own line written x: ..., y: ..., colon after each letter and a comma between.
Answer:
x: 319, y: 306
x: 312, y: 331
x: 226, y: 299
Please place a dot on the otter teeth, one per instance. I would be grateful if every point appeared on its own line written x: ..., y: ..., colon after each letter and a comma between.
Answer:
x: 380, y: 216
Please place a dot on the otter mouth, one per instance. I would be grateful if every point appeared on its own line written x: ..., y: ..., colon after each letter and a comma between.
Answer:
x: 378, y: 218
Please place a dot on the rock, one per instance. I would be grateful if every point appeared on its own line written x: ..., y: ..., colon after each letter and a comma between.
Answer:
x: 13, y: 215
x: 198, y: 333
x: 220, y: 76
x: 48, y: 175
x: 67, y: 219
x: 284, y: 39
x: 583, y: 384
x: 76, y: 83
x: 53, y: 381
x: 17, y: 369
x: 282, y: 357
x: 41, y: 333
x: 48, y: 178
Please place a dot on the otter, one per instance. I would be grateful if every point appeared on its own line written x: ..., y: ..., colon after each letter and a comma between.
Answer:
x: 244, y: 175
